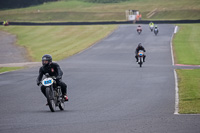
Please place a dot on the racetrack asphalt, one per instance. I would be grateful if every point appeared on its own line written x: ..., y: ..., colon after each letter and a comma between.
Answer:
x: 108, y: 91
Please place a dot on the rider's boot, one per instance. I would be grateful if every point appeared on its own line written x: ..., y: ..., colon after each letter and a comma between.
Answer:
x: 144, y: 58
x: 136, y: 58
x: 66, y: 97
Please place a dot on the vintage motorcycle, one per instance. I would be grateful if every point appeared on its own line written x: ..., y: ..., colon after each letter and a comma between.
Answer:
x: 53, y: 93
x: 140, y: 57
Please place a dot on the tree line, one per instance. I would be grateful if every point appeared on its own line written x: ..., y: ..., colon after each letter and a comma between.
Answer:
x: 6, y: 4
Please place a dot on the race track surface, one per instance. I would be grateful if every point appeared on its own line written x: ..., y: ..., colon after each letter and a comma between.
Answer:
x: 108, y: 91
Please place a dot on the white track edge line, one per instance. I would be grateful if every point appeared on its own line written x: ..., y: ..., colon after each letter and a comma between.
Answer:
x: 176, y: 94
x: 172, y: 54
x: 175, y: 76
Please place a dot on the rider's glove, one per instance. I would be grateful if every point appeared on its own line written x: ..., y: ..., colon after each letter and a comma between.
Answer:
x: 38, y: 83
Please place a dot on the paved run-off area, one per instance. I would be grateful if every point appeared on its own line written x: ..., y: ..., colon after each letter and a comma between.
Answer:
x: 9, y: 51
x: 11, y: 54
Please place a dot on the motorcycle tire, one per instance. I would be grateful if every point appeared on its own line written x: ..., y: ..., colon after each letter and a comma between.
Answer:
x: 140, y: 64
x: 61, y: 105
x: 140, y: 61
x: 50, y: 99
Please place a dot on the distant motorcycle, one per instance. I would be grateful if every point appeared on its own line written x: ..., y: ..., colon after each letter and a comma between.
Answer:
x: 53, y: 93
x: 140, y: 57
x: 139, y: 31
x: 151, y: 27
x: 156, y: 31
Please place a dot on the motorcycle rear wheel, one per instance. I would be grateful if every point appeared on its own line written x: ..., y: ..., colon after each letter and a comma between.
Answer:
x: 61, y: 105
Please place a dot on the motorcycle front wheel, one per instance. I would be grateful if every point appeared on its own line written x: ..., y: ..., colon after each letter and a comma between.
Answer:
x: 50, y: 99
x: 140, y: 61
x: 140, y: 64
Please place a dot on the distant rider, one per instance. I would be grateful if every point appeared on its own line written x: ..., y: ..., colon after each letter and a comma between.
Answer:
x: 151, y: 24
x: 139, y: 47
x: 139, y: 28
x: 54, y: 70
x: 156, y: 28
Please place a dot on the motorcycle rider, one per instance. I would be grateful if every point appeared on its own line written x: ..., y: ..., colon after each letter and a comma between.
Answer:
x: 156, y: 27
x: 156, y: 30
x: 139, y: 28
x: 54, y: 70
x: 139, y: 47
x: 151, y: 25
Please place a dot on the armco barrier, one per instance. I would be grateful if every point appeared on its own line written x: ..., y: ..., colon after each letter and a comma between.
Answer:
x: 169, y: 21
x: 108, y: 22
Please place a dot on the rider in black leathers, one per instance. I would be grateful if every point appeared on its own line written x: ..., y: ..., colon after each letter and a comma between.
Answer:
x: 155, y: 28
x: 139, y: 47
x: 54, y: 70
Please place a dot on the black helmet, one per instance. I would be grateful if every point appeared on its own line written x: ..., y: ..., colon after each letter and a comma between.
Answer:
x: 140, y: 44
x: 46, y: 57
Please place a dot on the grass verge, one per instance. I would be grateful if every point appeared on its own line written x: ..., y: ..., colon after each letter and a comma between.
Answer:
x: 187, y: 48
x: 59, y: 41
x: 189, y: 91
x: 6, y: 69
x: 186, y: 44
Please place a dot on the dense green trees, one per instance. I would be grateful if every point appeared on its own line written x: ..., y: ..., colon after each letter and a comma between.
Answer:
x: 4, y: 4
x: 20, y: 3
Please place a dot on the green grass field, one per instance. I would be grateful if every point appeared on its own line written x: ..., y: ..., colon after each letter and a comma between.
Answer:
x: 187, y: 48
x: 187, y: 44
x: 79, y: 10
x: 189, y: 91
x: 6, y: 69
x: 59, y: 41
